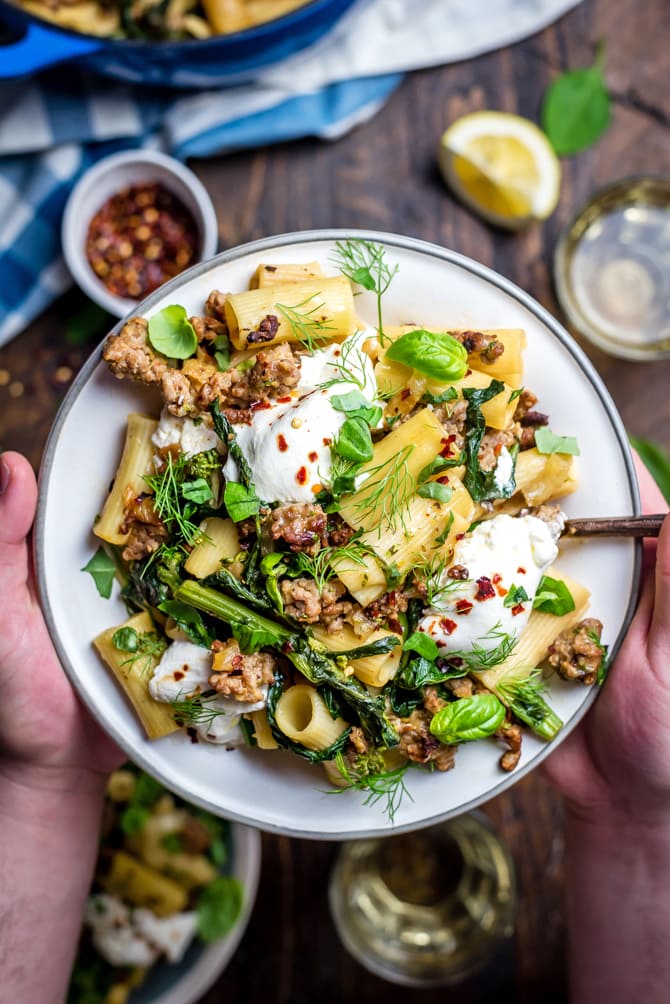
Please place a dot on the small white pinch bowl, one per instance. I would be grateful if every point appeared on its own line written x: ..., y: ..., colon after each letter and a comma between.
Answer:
x: 271, y: 789
x: 109, y: 176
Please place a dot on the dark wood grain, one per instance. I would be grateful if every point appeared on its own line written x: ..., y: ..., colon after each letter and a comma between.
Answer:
x: 383, y: 176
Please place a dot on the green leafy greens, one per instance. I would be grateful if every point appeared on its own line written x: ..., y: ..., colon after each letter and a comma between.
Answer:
x: 576, y: 108
x: 467, y: 719
x: 172, y: 334
x: 102, y: 569
x: 436, y: 354
x: 547, y: 441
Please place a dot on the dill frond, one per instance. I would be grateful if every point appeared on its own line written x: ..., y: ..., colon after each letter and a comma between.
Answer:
x: 368, y: 773
x: 308, y: 329
x: 364, y: 263
x: 387, y: 491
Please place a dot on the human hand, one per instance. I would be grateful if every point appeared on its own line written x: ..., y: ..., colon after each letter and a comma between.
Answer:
x: 616, y: 763
x: 46, y: 736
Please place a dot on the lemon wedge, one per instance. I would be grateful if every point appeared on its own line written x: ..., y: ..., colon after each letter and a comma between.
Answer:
x: 502, y: 166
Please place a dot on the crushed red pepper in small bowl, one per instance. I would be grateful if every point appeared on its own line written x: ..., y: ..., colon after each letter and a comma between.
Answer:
x: 140, y: 238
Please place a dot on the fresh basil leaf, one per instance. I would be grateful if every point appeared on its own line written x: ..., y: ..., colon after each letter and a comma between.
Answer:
x: 657, y: 462
x: 172, y: 334
x: 576, y: 109
x: 548, y: 442
x: 467, y: 719
x: 240, y: 502
x: 553, y: 597
x: 219, y: 906
x: 354, y: 441
x: 126, y: 639
x: 198, y: 491
x: 434, y: 490
x: 350, y: 403
x: 222, y: 360
x: 437, y: 354
x: 422, y: 644
x: 102, y: 570
x: 189, y: 620
x: 515, y: 595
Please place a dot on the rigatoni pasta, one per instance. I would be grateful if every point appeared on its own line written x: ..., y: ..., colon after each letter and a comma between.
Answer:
x: 355, y: 528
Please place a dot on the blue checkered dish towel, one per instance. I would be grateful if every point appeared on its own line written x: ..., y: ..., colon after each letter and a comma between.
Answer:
x: 53, y: 127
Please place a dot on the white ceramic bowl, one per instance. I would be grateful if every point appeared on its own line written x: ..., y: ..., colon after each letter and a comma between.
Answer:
x: 107, y: 177
x: 274, y: 790
x: 185, y: 982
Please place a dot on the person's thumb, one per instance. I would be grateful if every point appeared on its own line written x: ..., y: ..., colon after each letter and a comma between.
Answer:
x: 658, y: 644
x: 18, y: 497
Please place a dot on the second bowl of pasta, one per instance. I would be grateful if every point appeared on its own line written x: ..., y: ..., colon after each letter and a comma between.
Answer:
x: 308, y: 502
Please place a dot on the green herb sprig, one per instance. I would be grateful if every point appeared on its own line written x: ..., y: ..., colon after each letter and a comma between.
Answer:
x: 364, y: 263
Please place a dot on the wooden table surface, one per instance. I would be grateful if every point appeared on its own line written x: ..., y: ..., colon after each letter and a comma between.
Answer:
x: 383, y: 176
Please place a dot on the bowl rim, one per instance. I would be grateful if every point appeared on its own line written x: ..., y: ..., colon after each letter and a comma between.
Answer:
x: 391, y: 240
x: 254, y: 32
x: 71, y: 226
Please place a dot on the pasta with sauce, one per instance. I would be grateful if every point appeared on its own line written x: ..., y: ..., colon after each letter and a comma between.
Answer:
x: 343, y: 533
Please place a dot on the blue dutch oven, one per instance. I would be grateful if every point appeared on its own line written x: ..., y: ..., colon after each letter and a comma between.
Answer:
x: 32, y: 44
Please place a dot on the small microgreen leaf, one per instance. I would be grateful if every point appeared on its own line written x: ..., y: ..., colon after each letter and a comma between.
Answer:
x: 218, y: 907
x: 240, y: 502
x: 172, y: 334
x: 547, y: 441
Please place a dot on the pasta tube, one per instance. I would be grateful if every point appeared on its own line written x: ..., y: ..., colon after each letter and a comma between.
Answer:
x: 131, y: 880
x: 315, y: 309
x: 277, y: 275
x: 134, y: 674
x: 219, y: 544
x: 136, y: 462
x: 542, y: 629
x: 302, y: 715
x: 373, y: 670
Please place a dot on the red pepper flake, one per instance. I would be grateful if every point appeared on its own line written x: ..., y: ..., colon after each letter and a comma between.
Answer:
x: 313, y: 456
x: 405, y: 393
x: 285, y: 400
x: 281, y: 443
x: 496, y: 578
x: 440, y: 643
x: 317, y: 488
x: 327, y: 440
x: 139, y: 238
x: 485, y: 590
x: 521, y: 570
x: 459, y: 536
x: 463, y: 607
x: 447, y: 625
x: 444, y: 480
x: 301, y: 476
x: 518, y: 609
x: 447, y: 443
x: 178, y: 675
x: 497, y: 449
x: 259, y: 405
